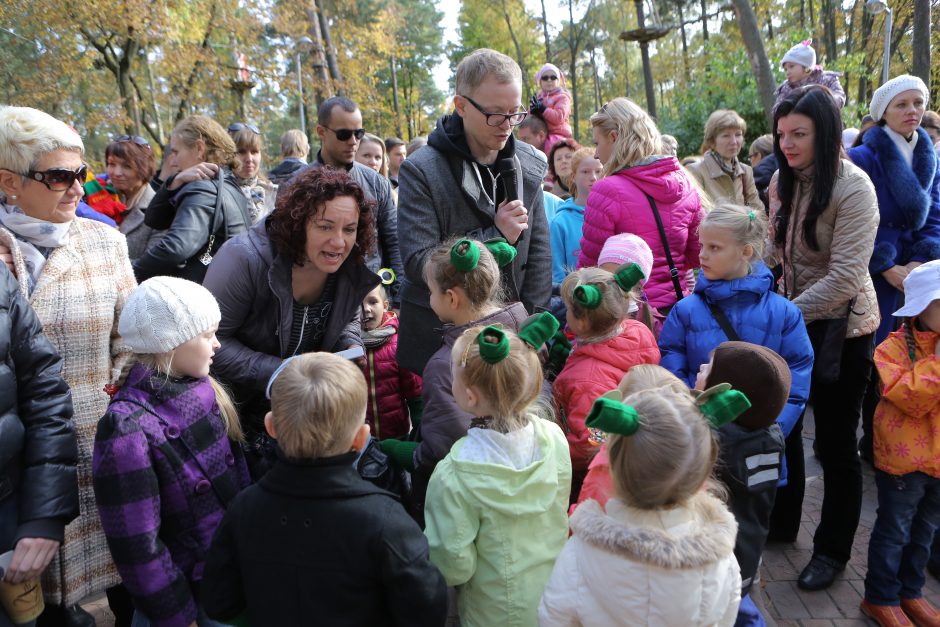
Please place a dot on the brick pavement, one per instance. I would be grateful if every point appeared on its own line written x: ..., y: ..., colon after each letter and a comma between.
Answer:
x: 785, y: 604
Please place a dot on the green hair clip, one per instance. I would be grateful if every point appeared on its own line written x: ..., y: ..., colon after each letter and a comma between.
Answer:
x: 538, y: 329
x: 494, y: 344
x: 721, y: 405
x: 501, y: 250
x: 628, y: 275
x: 610, y: 415
x: 589, y: 296
x: 465, y: 255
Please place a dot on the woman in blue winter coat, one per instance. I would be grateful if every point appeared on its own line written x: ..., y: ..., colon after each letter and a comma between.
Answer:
x: 899, y: 158
x: 734, y: 300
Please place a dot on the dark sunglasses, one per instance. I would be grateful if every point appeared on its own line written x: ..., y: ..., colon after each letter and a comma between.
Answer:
x: 497, y: 119
x: 137, y: 139
x: 343, y: 134
x: 58, y: 179
x: 239, y: 126
x: 550, y: 77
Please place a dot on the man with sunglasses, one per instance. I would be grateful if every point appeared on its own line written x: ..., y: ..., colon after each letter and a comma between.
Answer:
x: 461, y: 185
x: 339, y: 127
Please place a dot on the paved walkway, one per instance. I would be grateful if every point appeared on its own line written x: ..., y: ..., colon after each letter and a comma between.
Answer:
x: 785, y: 604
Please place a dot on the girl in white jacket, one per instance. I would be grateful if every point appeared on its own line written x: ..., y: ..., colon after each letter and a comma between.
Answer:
x: 662, y: 552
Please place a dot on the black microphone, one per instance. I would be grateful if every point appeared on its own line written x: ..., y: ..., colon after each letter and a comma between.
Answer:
x: 506, y: 169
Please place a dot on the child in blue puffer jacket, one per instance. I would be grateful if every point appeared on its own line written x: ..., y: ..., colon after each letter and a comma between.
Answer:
x: 734, y: 300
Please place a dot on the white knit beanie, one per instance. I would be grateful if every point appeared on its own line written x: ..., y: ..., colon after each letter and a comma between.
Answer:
x: 801, y: 54
x: 886, y: 93
x: 164, y: 312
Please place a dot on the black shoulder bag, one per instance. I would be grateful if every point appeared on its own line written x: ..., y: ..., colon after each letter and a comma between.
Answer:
x: 195, y: 268
x: 673, y: 271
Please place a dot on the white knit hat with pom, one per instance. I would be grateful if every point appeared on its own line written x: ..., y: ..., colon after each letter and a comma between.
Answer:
x: 165, y: 312
x: 801, y: 54
x: 886, y: 93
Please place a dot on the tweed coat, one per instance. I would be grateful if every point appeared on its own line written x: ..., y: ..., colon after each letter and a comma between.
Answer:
x: 78, y: 298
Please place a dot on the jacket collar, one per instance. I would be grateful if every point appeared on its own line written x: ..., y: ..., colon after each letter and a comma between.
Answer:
x: 319, y: 163
x: 755, y: 285
x: 326, y: 477
x: 909, y: 186
x: 711, y: 530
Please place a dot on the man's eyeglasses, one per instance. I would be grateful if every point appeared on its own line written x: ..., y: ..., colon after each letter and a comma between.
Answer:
x: 137, y: 139
x: 58, y: 179
x: 240, y: 126
x: 498, y: 119
x: 343, y: 134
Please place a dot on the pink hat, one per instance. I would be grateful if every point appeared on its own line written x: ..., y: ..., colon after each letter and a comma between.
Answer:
x: 627, y: 248
x: 548, y: 67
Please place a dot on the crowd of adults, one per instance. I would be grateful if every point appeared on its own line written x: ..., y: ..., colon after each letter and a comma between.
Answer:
x: 290, y: 255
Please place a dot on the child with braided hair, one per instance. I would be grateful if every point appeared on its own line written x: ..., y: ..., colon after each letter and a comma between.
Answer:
x: 661, y: 552
x: 463, y: 277
x: 607, y: 344
x: 496, y: 505
x: 907, y: 458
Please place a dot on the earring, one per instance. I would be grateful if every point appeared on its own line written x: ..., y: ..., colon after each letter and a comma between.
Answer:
x: 13, y: 197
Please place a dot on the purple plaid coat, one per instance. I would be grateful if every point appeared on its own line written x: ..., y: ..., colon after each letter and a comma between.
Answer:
x: 164, y: 471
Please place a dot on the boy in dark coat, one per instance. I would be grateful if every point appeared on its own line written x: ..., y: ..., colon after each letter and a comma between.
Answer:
x: 312, y: 542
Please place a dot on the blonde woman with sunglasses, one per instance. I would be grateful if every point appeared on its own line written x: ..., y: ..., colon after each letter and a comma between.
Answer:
x: 76, y: 275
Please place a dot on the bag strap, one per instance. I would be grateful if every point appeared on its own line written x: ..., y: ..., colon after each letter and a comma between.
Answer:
x: 673, y: 271
x: 719, y: 315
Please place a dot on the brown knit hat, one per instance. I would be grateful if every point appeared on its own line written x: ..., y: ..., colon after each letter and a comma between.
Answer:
x: 760, y: 373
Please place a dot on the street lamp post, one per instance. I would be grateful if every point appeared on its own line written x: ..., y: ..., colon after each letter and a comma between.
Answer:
x: 877, y: 7
x: 299, y: 44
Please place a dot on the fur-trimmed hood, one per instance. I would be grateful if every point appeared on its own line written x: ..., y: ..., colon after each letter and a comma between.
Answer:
x: 699, y: 534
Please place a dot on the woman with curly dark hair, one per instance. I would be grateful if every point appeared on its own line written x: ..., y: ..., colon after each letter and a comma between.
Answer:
x: 559, y: 166
x: 293, y: 284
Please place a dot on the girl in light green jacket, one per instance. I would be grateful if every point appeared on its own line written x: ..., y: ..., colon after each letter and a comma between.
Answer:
x: 496, y: 505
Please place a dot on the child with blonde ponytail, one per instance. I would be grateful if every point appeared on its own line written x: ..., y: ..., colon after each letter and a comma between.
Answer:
x: 496, y: 504
x: 167, y: 460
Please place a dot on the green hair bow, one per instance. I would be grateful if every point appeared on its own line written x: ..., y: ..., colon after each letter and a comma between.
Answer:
x: 465, y: 255
x: 628, y: 275
x: 494, y: 344
x: 721, y: 405
x: 609, y: 414
x: 538, y: 329
x: 589, y: 296
x: 501, y: 250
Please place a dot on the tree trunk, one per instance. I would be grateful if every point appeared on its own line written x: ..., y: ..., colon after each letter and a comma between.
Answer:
x: 548, y: 41
x: 392, y: 65
x: 704, y: 6
x: 921, y: 45
x: 330, y: 50
x: 323, y: 86
x: 597, y: 84
x: 573, y: 72
x: 685, y: 41
x: 757, y: 55
x: 184, y: 105
x: 647, y: 67
x: 829, y: 30
x: 519, y: 57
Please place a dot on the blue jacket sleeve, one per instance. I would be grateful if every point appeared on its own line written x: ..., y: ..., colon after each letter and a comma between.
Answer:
x: 559, y: 254
x: 672, y: 346
x: 796, y: 349
x: 926, y: 245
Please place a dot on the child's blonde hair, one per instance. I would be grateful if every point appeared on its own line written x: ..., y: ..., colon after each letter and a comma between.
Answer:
x: 318, y: 402
x: 747, y: 226
x: 671, y: 455
x: 481, y: 284
x: 637, y: 135
x: 614, y: 307
x: 647, y: 377
x: 579, y: 155
x: 162, y: 363
x: 511, y: 385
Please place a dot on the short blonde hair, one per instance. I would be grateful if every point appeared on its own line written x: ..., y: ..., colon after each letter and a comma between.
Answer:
x: 647, y: 377
x: 637, y: 135
x: 747, y: 226
x: 220, y: 147
x: 481, y: 285
x: 481, y: 64
x: 318, y: 402
x: 511, y: 386
x: 614, y: 307
x: 763, y: 145
x: 671, y: 455
x: 375, y: 139
x: 26, y: 134
x: 718, y: 121
x: 294, y: 144
x: 579, y: 155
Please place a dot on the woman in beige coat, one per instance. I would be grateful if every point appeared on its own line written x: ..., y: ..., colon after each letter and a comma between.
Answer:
x: 77, y: 276
x: 824, y: 216
x: 719, y: 173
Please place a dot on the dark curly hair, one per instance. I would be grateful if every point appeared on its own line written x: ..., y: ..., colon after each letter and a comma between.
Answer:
x: 303, y: 200
x: 571, y: 145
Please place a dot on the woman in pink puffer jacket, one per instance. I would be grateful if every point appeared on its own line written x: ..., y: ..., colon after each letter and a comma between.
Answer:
x: 628, y: 144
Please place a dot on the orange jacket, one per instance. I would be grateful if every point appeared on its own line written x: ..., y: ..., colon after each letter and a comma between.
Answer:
x: 907, y: 421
